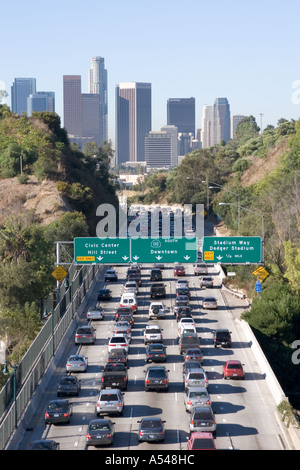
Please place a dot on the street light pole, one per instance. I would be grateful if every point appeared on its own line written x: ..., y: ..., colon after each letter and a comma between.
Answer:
x: 262, y: 224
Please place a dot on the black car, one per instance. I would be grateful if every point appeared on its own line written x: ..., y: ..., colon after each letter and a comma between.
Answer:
x: 117, y: 355
x: 156, y: 352
x: 122, y: 311
x: 151, y: 429
x: 183, y: 312
x: 158, y: 290
x: 183, y: 291
x: 156, y: 378
x: 104, y: 294
x: 68, y: 385
x: 155, y: 275
x: 188, y: 340
x: 45, y: 444
x: 58, y: 411
x: 222, y: 337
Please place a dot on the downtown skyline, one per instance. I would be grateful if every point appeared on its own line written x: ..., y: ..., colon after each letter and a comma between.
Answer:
x: 250, y: 53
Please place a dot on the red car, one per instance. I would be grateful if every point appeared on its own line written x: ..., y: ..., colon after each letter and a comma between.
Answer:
x: 233, y: 369
x: 201, y: 441
x: 179, y: 271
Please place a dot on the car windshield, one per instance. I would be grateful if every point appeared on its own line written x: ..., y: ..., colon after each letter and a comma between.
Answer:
x: 151, y: 424
x: 196, y: 375
x: 203, y: 415
x: 234, y: 366
x: 113, y: 367
x: 84, y: 331
x: 100, y: 427
x: 109, y: 397
x: 194, y: 394
x: 76, y: 358
x: 209, y: 299
x: 157, y: 347
x: 68, y: 380
x: 152, y: 330
x: 118, y: 340
x: 57, y: 405
x: 203, y: 444
x: 157, y: 373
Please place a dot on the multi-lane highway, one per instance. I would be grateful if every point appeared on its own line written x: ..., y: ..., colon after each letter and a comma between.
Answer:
x: 244, y: 409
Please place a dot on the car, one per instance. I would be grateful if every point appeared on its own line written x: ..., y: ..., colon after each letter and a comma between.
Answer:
x: 85, y: 335
x: 182, y: 300
x: 58, y: 411
x: 182, y: 283
x: 77, y: 363
x: 127, y: 318
x: 196, y: 396
x: 122, y: 310
x: 110, y: 276
x: 200, y: 268
x: 194, y: 354
x: 186, y: 321
x: 187, y: 341
x: 156, y: 352
x: 201, y: 441
x: 188, y: 365
x: 95, y: 313
x: 100, y: 432
x: 129, y: 300
x: 195, y: 378
x: 104, y: 294
x: 122, y: 329
x: 114, y: 375
x: 209, y: 303
x: 155, y: 275
x: 233, y: 370
x: 151, y: 429
x: 202, y: 418
x: 158, y: 290
x: 183, y: 291
x: 118, y: 341
x: 187, y: 327
x: 45, y: 444
x: 153, y: 334
x: 222, y: 337
x: 183, y: 311
x: 206, y: 281
x: 117, y: 355
x: 68, y: 385
x: 110, y: 401
x: 156, y: 309
x: 131, y: 286
x: 156, y: 378
x: 179, y: 270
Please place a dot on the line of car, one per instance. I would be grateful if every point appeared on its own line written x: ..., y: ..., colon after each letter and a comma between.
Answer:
x: 111, y: 400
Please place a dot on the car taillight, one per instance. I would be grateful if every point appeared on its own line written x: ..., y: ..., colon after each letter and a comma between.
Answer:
x: 46, y: 414
x: 208, y: 402
x: 88, y: 436
x: 66, y: 415
x: 147, y: 381
x: 189, y: 402
x: 120, y: 404
x: 102, y: 379
x: 165, y: 381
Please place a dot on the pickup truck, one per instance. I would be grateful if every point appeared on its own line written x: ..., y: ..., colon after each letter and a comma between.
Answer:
x: 114, y: 375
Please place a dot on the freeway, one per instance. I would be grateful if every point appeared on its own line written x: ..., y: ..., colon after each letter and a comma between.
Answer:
x: 244, y: 409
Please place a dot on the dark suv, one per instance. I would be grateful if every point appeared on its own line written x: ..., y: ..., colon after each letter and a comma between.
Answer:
x: 188, y: 340
x: 158, y: 290
x: 222, y: 337
x: 155, y: 275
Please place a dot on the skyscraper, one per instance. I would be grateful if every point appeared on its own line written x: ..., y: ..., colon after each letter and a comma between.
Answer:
x: 181, y: 113
x: 133, y: 120
x: 20, y: 90
x: 98, y: 86
x: 72, y: 106
x: 158, y: 149
x: 207, y: 134
x: 221, y: 120
x: 41, y: 101
x: 90, y: 118
x: 235, y: 120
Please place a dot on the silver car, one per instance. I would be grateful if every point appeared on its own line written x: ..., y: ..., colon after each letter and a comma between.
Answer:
x: 110, y: 401
x: 196, y: 396
x: 153, y: 334
x: 95, y: 313
x: 77, y: 363
x: 85, y: 335
x: 202, y: 419
x: 209, y: 303
x: 195, y: 378
x: 122, y: 329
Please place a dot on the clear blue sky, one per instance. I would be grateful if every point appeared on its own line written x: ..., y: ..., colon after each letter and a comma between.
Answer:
x: 245, y: 51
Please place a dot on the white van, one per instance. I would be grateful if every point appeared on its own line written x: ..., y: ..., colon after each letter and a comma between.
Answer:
x: 129, y: 300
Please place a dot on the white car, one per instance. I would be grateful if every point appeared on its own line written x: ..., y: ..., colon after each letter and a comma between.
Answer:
x: 188, y: 327
x: 182, y: 283
x: 95, y: 313
x: 156, y: 309
x: 186, y: 321
x: 153, y: 334
x: 118, y: 341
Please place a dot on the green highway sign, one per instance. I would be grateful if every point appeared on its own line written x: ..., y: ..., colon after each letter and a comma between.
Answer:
x: 94, y: 250
x: 164, y: 250
x: 232, y: 250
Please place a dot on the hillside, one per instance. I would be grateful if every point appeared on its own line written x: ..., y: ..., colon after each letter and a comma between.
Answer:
x: 43, y: 198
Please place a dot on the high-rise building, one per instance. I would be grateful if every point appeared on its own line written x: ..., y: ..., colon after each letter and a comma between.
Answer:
x: 41, y: 101
x: 90, y: 118
x: 181, y: 113
x: 73, y: 118
x: 158, y: 149
x: 133, y: 120
x: 98, y: 86
x: 20, y: 90
x: 207, y: 134
x: 172, y: 131
x: 235, y: 120
x: 221, y: 120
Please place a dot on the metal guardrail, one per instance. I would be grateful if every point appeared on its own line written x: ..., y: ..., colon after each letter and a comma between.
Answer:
x: 38, y: 357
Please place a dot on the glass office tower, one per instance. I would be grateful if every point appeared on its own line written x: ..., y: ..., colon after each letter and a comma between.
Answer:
x: 20, y: 90
x: 98, y: 86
